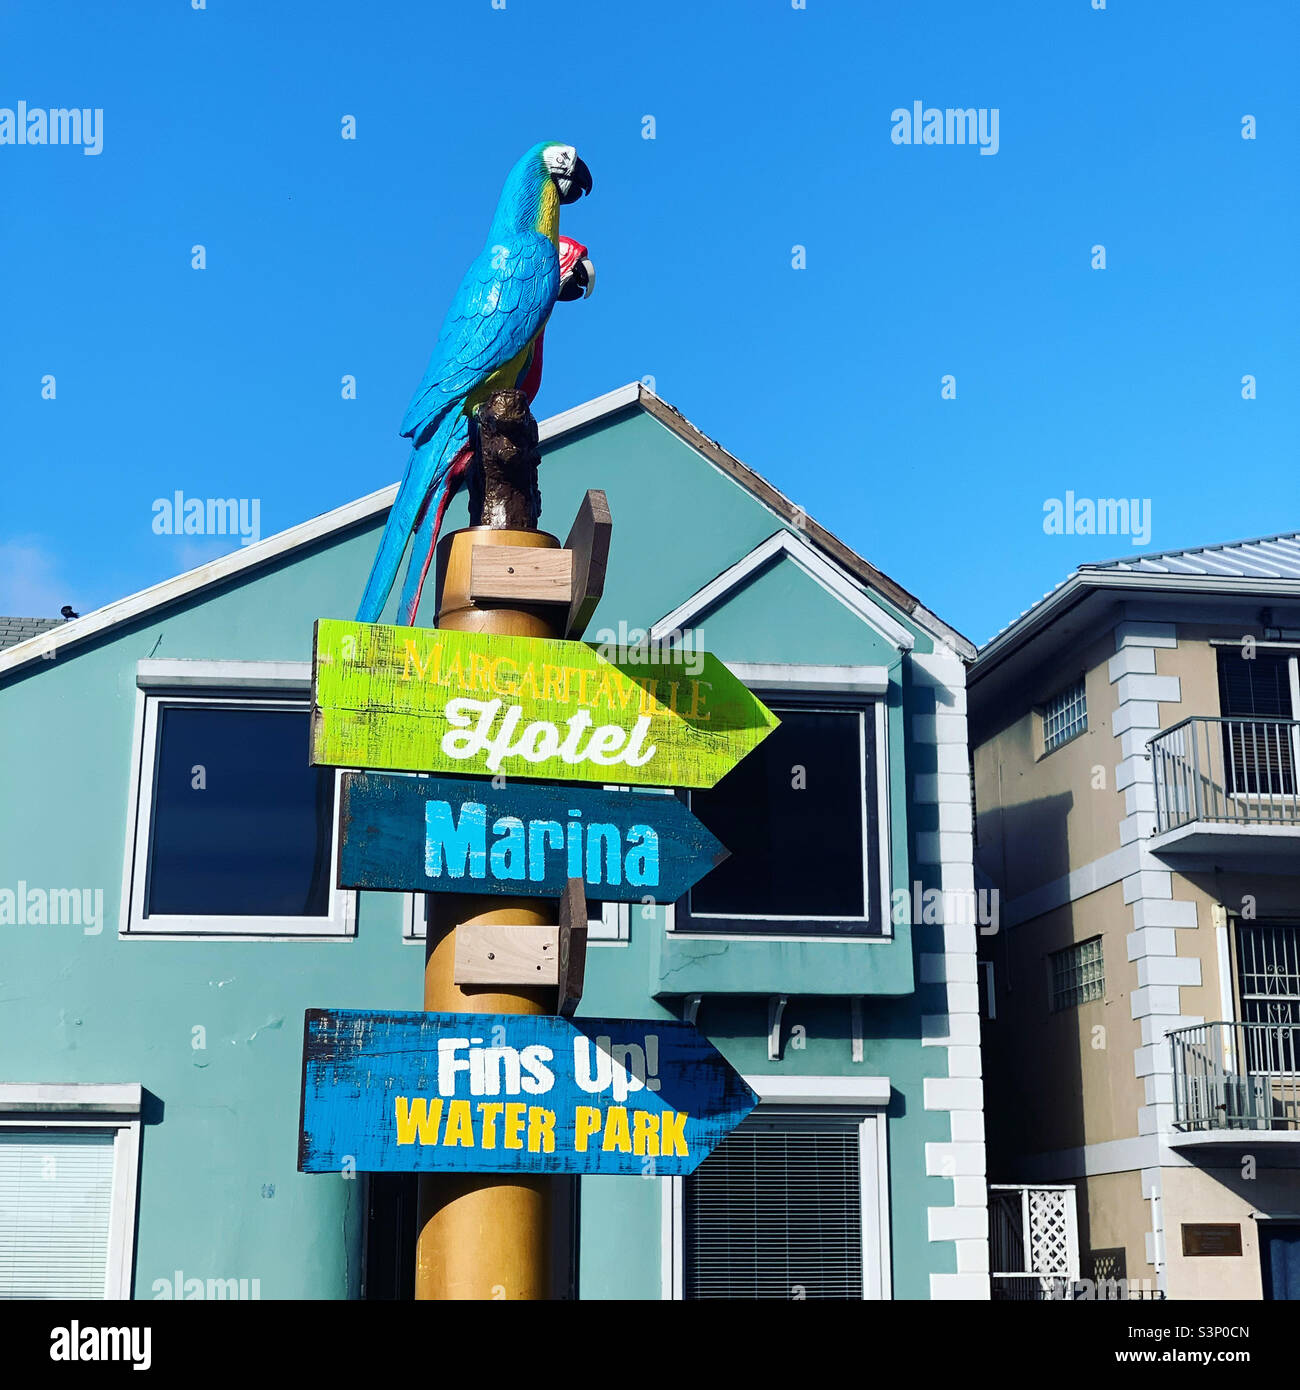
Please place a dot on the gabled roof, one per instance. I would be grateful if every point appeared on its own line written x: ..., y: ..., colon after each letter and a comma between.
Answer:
x: 366, y: 509
x: 1268, y: 566
x: 15, y: 630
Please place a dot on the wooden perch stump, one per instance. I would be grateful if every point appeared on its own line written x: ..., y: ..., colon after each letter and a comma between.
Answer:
x: 503, y: 490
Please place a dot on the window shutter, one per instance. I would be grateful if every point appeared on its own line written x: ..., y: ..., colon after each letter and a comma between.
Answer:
x: 1259, y: 756
x: 776, y: 1212
x: 56, y: 1189
x: 1258, y: 688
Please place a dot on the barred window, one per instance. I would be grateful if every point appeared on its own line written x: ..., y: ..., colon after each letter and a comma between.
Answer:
x: 1268, y: 980
x: 1078, y: 974
x: 1065, y: 715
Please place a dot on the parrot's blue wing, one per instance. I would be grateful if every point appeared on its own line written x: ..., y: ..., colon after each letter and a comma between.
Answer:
x: 506, y: 296
x: 504, y: 299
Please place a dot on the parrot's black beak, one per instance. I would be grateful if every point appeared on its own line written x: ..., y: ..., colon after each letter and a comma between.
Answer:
x: 579, y: 282
x: 574, y: 184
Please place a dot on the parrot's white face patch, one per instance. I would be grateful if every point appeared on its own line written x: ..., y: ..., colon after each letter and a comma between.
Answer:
x: 560, y: 160
x: 571, y: 176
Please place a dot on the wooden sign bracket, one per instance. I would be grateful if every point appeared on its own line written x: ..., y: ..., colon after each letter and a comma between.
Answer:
x: 496, y: 953
x: 573, y: 578
x: 500, y: 953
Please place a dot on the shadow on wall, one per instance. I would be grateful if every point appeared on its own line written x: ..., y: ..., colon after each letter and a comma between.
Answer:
x: 1033, y: 1055
x: 1038, y: 832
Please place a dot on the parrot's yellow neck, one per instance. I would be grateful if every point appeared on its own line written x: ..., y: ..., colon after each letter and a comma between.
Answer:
x: 548, y: 213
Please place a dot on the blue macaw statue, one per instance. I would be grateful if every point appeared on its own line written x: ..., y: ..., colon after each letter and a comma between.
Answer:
x: 486, y: 344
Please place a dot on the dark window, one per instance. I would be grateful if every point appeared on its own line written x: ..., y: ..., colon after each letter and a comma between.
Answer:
x: 241, y: 823
x: 775, y: 1211
x: 1254, y: 694
x: 392, y: 1224
x: 799, y: 817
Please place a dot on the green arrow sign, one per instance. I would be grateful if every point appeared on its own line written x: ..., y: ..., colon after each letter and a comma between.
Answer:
x: 425, y: 700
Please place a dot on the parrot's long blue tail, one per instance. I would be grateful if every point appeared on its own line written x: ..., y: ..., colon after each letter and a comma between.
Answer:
x: 424, y: 472
x: 426, y: 536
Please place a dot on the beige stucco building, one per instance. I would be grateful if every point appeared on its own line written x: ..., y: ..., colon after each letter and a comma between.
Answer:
x: 1136, y: 747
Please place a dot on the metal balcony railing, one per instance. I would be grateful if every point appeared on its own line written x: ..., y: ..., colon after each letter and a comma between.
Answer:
x: 1237, y: 1076
x: 1230, y: 771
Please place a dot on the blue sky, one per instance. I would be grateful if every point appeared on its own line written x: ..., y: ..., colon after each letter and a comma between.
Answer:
x: 326, y: 257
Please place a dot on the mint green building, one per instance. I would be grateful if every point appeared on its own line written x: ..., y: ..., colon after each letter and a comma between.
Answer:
x: 169, y: 909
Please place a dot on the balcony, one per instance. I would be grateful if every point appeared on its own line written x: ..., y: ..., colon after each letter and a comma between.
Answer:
x: 1234, y: 1079
x: 1227, y: 789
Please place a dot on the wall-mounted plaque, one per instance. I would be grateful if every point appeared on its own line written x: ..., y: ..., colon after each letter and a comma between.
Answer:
x: 1221, y: 1239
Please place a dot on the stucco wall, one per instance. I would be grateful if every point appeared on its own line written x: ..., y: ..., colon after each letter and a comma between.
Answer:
x: 1042, y: 813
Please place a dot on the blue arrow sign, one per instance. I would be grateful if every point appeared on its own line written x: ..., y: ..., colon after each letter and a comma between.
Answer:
x: 511, y: 1093
x: 448, y: 835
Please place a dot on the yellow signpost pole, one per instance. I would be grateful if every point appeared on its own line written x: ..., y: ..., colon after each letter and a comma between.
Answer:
x: 484, y: 1235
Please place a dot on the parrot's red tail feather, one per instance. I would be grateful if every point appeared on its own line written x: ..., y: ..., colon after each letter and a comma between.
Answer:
x: 455, y: 476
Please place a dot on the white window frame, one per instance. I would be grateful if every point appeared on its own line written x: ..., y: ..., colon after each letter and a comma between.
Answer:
x: 871, y: 686
x: 93, y: 1108
x: 228, y: 685
x: 866, y: 1096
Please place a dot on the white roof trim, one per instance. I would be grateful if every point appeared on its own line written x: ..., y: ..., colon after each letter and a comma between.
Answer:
x: 1017, y: 633
x: 47, y: 644
x: 588, y: 412
x: 786, y: 545
x: 846, y: 587
x: 170, y: 590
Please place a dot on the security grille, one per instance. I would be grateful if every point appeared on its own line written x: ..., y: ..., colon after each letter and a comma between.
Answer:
x: 1268, y: 980
x: 776, y: 1212
x: 1109, y: 1265
x: 1078, y: 974
x: 1064, y: 716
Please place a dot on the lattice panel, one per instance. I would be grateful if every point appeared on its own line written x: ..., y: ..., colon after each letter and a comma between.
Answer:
x: 1049, y: 1232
